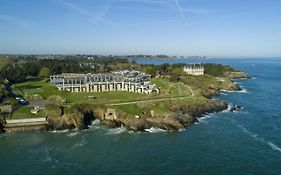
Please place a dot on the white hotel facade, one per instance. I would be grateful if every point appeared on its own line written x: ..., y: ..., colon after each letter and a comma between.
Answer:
x: 130, y: 81
x: 194, y: 69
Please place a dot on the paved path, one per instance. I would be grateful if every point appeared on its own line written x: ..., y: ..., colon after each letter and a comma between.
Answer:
x: 191, y: 91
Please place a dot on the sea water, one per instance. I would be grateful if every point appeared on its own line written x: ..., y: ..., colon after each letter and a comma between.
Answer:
x: 243, y: 142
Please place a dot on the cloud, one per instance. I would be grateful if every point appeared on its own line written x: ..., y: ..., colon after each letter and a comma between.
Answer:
x: 181, y: 12
x: 13, y: 20
x: 88, y: 13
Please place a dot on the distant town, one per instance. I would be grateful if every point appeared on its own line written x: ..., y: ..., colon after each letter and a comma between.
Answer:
x: 92, y: 57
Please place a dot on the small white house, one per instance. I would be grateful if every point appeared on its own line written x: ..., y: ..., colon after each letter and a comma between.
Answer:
x: 194, y: 69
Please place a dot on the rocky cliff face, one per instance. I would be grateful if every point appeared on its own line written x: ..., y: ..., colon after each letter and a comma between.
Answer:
x: 237, y: 75
x: 1, y: 126
x: 179, y: 118
x: 79, y: 117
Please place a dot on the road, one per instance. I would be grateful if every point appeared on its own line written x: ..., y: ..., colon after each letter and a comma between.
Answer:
x: 10, y: 90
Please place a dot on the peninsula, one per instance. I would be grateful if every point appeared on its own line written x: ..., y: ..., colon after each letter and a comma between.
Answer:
x: 71, y: 92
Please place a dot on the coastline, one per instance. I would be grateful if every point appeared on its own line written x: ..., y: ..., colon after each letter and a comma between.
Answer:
x: 179, y: 116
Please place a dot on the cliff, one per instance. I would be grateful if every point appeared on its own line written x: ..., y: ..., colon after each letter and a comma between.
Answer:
x: 173, y: 116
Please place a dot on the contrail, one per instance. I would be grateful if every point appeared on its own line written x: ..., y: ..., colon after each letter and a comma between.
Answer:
x: 88, y: 13
x: 153, y: 22
x: 145, y: 1
x: 181, y: 12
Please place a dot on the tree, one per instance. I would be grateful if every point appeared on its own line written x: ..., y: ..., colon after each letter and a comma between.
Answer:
x: 32, y: 68
x: 164, y: 69
x: 44, y: 72
x: 175, y: 74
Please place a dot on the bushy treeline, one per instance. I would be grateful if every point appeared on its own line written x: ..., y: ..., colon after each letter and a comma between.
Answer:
x: 217, y: 70
x: 17, y: 70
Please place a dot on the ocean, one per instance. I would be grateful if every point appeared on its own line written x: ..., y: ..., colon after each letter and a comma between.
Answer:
x: 246, y: 142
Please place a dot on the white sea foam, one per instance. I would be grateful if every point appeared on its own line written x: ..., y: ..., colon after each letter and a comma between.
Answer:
x: 72, y: 134
x: 228, y: 91
x: 95, y: 125
x: 241, y: 91
x: 118, y: 130
x: 260, y: 139
x: 60, y: 131
x: 183, y: 129
x: 96, y: 122
x: 228, y: 108
x: 273, y: 146
x: 204, y: 118
x: 155, y: 130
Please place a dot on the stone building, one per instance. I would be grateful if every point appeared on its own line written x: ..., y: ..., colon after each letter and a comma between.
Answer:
x: 131, y: 81
x: 194, y: 69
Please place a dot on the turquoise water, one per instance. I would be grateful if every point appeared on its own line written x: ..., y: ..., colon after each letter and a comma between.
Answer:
x: 246, y: 142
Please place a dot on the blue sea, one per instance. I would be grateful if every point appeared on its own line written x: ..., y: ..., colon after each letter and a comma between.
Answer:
x: 246, y: 142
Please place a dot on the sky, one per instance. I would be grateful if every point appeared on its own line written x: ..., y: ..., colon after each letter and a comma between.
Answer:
x: 250, y: 28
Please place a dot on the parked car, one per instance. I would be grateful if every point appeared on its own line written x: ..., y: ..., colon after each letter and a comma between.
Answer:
x: 21, y: 100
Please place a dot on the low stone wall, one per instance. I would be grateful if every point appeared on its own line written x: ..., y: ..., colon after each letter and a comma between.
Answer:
x: 25, y: 125
x: 19, y: 121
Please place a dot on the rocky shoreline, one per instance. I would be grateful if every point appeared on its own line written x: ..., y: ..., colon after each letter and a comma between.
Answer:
x: 180, y: 115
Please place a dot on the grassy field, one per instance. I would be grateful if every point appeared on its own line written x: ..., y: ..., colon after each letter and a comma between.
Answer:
x: 24, y: 112
x: 46, y: 90
x: 171, y: 89
x: 132, y: 109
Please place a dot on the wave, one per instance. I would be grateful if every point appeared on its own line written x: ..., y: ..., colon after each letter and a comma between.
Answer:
x: 241, y: 91
x: 95, y: 125
x: 228, y: 91
x: 155, y: 130
x: 60, y: 131
x: 96, y: 122
x: 273, y: 146
x: 118, y: 130
x: 229, y: 107
x: 72, y: 134
x: 183, y: 129
x: 204, y: 118
x: 260, y: 139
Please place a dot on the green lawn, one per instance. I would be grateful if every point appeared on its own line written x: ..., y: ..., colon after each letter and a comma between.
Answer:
x: 171, y: 89
x: 132, y: 109
x: 24, y: 112
x: 45, y: 89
